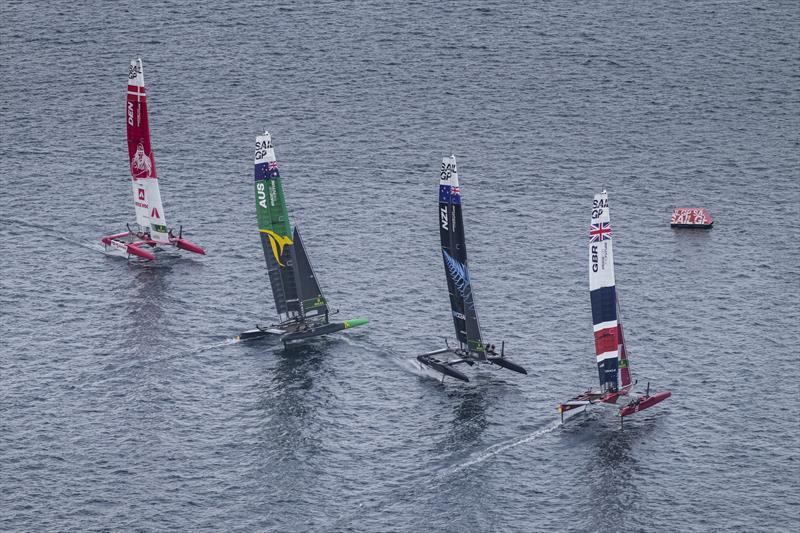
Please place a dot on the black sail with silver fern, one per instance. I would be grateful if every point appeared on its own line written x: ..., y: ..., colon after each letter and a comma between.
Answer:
x: 454, y: 256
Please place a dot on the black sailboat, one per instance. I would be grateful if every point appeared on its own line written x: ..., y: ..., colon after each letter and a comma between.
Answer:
x: 471, y: 347
x: 302, y: 308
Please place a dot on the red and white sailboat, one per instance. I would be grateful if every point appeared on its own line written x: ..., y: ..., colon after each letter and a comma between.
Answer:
x: 150, y: 230
x: 612, y: 357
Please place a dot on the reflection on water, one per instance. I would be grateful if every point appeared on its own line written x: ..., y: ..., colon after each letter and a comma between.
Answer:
x: 610, y: 478
x: 287, y: 397
x: 145, y: 303
x: 469, y: 416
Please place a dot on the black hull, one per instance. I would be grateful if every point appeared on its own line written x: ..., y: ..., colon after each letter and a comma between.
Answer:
x: 441, y: 366
x: 505, y: 363
x: 313, y: 332
x: 255, y: 334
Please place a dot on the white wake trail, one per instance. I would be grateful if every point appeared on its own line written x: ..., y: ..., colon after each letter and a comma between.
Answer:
x: 497, y: 449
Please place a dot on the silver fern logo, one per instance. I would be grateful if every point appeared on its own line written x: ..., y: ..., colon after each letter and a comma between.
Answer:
x: 460, y: 275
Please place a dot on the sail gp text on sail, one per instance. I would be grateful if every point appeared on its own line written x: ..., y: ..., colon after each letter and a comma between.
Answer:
x: 599, y: 232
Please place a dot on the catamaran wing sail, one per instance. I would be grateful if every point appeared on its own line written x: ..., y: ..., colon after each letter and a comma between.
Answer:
x: 609, y: 341
x: 602, y: 287
x: 274, y: 228
x: 294, y: 285
x: 624, y: 364
x: 312, y: 302
x: 152, y: 231
x: 454, y: 255
x: 146, y: 196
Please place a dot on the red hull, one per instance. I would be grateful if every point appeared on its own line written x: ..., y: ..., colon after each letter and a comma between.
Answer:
x: 135, y: 250
x: 183, y: 244
x: 122, y: 241
x: 644, y: 403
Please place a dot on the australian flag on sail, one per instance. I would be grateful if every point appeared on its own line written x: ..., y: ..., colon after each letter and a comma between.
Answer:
x: 267, y: 171
x: 449, y: 194
x: 600, y: 232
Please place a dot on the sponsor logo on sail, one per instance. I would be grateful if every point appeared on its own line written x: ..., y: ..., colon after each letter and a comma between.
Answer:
x: 319, y: 301
x: 273, y: 195
x: 277, y: 242
x: 141, y: 194
x: 133, y: 71
x: 598, y: 206
x: 448, y: 169
x: 262, y: 145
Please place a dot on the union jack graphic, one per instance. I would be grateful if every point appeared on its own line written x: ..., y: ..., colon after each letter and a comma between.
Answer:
x: 455, y: 190
x: 600, y: 232
x: 272, y: 169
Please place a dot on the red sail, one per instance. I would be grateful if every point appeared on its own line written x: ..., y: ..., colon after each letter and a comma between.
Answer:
x: 140, y: 154
x: 146, y: 196
x: 624, y: 369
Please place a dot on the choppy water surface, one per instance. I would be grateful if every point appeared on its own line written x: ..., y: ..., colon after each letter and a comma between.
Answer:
x: 125, y: 406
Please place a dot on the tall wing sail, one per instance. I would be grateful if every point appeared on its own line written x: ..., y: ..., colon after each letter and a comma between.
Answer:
x: 274, y: 227
x: 146, y: 196
x: 603, y: 294
x: 312, y: 301
x: 454, y: 255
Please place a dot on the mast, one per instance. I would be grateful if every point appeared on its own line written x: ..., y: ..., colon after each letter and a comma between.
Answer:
x: 274, y: 228
x: 454, y: 255
x: 312, y: 301
x: 146, y: 195
x: 602, y: 290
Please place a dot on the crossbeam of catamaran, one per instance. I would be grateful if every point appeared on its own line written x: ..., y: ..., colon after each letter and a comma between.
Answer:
x: 150, y: 231
x: 612, y: 356
x: 303, y: 310
x: 471, y: 347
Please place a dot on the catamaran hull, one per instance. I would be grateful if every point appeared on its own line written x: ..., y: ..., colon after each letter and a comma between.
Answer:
x: 441, y: 366
x: 183, y: 244
x: 295, y: 336
x: 570, y: 409
x: 446, y: 367
x: 505, y: 363
x: 259, y: 333
x: 644, y: 403
x: 129, y: 243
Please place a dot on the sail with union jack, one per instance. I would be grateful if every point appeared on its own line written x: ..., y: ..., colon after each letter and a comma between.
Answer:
x: 600, y: 232
x: 603, y: 292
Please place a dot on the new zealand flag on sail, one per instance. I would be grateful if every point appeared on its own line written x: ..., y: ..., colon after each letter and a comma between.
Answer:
x: 267, y: 171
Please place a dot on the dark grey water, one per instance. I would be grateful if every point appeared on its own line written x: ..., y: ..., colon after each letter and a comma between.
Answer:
x: 124, y: 406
